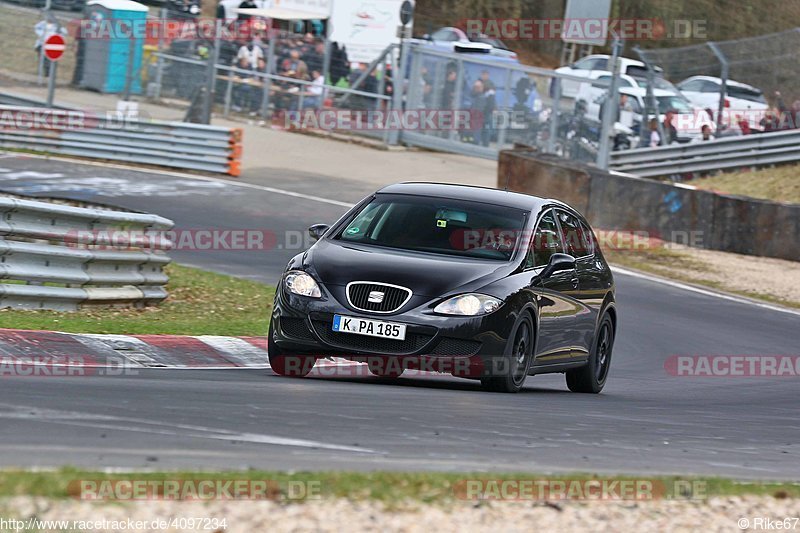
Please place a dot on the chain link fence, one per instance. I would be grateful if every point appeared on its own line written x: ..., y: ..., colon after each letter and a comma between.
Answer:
x: 766, y: 62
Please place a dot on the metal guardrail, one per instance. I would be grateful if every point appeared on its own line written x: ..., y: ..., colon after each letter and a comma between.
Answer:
x: 727, y: 153
x: 169, y: 144
x: 61, y: 257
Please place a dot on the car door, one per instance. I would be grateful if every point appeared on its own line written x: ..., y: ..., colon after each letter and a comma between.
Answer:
x: 590, y: 293
x: 556, y: 301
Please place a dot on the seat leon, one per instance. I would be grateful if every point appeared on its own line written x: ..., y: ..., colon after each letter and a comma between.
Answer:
x: 476, y: 282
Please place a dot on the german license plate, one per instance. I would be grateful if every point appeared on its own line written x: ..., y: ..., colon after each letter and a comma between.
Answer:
x: 371, y: 328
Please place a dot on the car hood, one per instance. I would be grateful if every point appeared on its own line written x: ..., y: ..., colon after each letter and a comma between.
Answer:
x: 430, y: 275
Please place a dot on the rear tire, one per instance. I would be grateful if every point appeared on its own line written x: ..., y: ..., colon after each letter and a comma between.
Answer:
x: 516, y: 361
x: 592, y: 377
x: 286, y: 362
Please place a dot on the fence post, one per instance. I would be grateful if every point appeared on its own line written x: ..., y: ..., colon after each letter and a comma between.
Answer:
x: 398, y: 87
x: 268, y: 77
x: 211, y: 75
x: 650, y: 100
x: 553, y: 133
x: 612, y: 106
x: 724, y: 86
x: 326, y: 69
x: 501, y: 135
x: 160, y: 62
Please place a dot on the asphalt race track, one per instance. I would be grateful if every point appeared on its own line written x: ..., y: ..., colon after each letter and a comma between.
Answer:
x: 646, y: 420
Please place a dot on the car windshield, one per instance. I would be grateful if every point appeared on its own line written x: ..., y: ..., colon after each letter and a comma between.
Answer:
x: 497, y: 43
x: 674, y: 103
x: 437, y: 225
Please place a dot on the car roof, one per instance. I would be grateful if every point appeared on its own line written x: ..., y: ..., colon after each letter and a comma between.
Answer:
x: 472, y: 193
x: 714, y: 79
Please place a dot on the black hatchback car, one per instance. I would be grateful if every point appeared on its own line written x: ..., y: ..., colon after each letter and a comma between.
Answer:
x: 481, y: 283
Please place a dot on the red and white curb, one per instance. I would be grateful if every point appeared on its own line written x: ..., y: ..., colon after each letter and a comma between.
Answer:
x: 137, y: 351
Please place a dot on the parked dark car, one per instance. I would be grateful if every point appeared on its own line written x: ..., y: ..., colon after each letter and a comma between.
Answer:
x: 482, y: 283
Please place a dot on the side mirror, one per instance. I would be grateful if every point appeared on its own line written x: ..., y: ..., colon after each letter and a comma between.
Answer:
x: 557, y: 263
x: 317, y: 231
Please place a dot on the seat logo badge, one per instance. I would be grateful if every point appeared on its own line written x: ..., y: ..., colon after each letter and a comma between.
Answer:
x: 375, y: 297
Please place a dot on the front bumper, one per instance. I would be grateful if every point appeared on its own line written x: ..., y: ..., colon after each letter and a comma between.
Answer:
x: 453, y: 344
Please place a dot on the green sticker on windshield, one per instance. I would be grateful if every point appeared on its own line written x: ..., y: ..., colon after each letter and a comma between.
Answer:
x: 441, y: 223
x: 353, y: 231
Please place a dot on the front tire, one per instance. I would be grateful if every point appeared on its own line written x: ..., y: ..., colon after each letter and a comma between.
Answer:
x: 592, y: 377
x: 286, y: 362
x: 516, y: 361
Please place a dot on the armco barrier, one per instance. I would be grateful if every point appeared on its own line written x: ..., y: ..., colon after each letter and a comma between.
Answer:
x: 719, y: 154
x: 59, y: 257
x: 616, y: 201
x: 169, y: 144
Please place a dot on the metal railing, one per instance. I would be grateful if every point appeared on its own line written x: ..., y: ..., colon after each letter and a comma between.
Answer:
x: 118, y: 138
x: 257, y: 92
x: 720, y: 154
x: 60, y: 257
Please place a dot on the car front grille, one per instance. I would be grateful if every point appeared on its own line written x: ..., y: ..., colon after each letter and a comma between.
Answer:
x: 413, y: 342
x: 448, y: 346
x: 392, y: 297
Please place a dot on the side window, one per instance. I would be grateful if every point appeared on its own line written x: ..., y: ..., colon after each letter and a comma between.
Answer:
x: 572, y: 233
x: 588, y: 239
x: 710, y: 87
x: 445, y: 35
x: 585, y: 64
x: 692, y: 86
x: 546, y: 241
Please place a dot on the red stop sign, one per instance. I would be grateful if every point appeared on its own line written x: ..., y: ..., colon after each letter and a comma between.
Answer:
x: 54, y: 47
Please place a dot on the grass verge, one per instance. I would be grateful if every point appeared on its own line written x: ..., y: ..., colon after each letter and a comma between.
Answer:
x: 682, y: 266
x: 781, y: 183
x: 199, y: 303
x: 391, y: 488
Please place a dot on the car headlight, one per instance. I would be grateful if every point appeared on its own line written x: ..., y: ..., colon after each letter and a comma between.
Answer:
x: 298, y: 282
x: 468, y: 305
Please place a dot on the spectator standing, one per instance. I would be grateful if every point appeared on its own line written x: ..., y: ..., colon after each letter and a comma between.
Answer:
x: 250, y: 52
x: 243, y: 89
x: 670, y: 132
x: 655, y: 137
x: 477, y: 109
